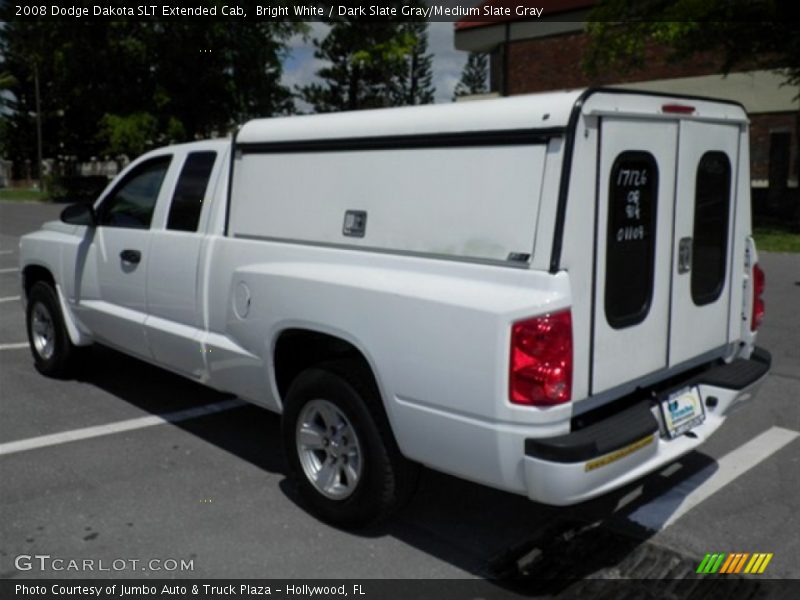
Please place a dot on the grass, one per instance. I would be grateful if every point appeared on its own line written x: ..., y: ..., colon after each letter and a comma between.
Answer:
x: 770, y: 239
x: 22, y: 195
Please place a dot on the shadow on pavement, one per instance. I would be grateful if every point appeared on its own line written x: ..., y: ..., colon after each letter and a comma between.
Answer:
x: 521, y: 546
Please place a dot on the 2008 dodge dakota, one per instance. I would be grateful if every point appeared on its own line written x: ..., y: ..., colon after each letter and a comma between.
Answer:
x: 552, y: 294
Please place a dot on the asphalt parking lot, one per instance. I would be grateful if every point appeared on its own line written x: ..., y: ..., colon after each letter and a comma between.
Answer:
x: 212, y: 489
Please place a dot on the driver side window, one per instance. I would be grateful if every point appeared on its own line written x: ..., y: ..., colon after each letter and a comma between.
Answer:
x: 132, y: 202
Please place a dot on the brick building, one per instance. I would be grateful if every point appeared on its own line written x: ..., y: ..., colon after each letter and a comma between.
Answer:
x: 546, y: 54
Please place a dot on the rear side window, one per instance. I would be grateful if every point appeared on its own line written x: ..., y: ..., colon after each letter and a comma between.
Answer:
x: 630, y: 244
x: 132, y: 202
x: 187, y: 202
x: 712, y: 199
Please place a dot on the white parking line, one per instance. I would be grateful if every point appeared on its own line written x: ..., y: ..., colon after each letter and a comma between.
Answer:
x: 6, y: 252
x: 9, y: 299
x: 118, y: 427
x: 15, y: 346
x: 663, y: 511
x: 14, y: 270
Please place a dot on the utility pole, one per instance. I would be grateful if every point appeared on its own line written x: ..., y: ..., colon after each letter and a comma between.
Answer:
x: 38, y: 125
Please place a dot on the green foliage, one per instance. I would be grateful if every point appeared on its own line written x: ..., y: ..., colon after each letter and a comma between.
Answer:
x: 371, y: 65
x: 22, y: 195
x: 773, y: 239
x: 131, y: 135
x: 751, y: 33
x: 125, y: 86
x: 7, y: 81
x: 474, y: 77
x: 415, y: 81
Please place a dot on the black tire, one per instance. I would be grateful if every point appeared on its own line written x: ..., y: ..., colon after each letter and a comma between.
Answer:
x: 387, y: 479
x: 54, y: 354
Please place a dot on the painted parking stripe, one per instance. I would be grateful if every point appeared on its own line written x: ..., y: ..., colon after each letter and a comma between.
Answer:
x: 118, y: 427
x: 16, y: 346
x: 9, y: 299
x: 14, y: 270
x: 663, y: 511
x: 6, y: 252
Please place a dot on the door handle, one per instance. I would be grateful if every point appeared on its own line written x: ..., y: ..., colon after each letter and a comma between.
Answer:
x: 684, y: 255
x: 131, y: 256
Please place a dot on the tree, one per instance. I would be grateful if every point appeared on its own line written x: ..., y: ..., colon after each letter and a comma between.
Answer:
x: 415, y: 85
x: 474, y: 77
x: 7, y: 80
x: 758, y: 33
x: 130, y: 135
x: 372, y: 64
x: 100, y: 81
x: 364, y: 58
x: 742, y: 33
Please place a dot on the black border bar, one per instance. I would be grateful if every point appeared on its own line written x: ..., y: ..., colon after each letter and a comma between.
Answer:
x: 461, y: 139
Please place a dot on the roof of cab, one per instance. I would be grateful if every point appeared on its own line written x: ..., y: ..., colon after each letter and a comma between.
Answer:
x: 197, y: 145
x: 533, y: 111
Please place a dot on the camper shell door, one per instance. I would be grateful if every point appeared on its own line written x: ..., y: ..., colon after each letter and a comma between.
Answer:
x: 665, y: 215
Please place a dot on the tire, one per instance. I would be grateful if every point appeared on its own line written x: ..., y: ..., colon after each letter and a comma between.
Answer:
x: 53, y: 352
x: 354, y: 476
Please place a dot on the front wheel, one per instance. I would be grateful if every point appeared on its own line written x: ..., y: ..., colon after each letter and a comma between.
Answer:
x: 53, y: 352
x: 340, y: 448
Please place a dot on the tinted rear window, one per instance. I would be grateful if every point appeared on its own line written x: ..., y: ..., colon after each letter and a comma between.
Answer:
x: 630, y: 245
x: 187, y: 202
x: 710, y: 239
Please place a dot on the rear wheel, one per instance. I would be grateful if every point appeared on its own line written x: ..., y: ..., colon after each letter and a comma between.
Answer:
x: 328, y: 449
x: 53, y: 352
x: 340, y: 449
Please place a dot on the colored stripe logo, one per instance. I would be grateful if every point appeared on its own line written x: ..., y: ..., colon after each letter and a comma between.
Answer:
x: 618, y: 454
x: 734, y: 562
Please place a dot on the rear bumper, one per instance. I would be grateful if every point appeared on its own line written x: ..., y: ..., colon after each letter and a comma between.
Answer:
x: 621, y: 448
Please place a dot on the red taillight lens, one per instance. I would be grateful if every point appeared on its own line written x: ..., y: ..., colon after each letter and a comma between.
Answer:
x: 681, y: 109
x: 758, y: 302
x: 541, y: 360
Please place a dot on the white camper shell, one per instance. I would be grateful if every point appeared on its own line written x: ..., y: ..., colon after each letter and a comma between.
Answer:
x: 551, y: 294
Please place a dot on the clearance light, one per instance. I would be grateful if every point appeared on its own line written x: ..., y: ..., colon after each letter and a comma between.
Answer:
x: 680, y: 109
x: 758, y: 302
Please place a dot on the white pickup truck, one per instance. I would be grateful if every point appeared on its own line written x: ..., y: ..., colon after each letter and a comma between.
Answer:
x: 551, y: 294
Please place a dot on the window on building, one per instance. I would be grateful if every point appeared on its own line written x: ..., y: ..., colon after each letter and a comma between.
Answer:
x: 497, y: 67
x: 779, y: 152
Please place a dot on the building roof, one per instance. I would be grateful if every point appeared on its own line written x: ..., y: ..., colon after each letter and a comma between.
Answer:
x: 551, y: 8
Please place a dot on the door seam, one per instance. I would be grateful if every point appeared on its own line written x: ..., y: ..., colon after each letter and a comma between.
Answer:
x: 672, y: 241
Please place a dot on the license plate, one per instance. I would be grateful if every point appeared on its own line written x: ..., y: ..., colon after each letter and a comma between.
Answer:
x: 682, y: 411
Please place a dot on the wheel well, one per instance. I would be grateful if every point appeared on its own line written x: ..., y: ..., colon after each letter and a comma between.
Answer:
x: 33, y: 274
x: 299, y: 349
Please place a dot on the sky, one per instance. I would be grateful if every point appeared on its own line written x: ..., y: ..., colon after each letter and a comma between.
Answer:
x: 300, y: 66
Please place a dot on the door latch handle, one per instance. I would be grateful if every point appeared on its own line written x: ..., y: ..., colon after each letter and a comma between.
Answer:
x: 131, y: 256
x: 684, y: 255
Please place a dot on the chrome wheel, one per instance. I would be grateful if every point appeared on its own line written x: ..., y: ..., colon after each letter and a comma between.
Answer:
x: 329, y: 450
x: 43, y: 332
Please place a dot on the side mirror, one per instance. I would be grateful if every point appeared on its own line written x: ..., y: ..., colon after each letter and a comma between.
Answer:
x: 79, y: 214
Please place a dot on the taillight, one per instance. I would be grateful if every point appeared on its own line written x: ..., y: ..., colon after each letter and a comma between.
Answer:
x: 541, y: 360
x: 758, y: 301
x: 681, y: 109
